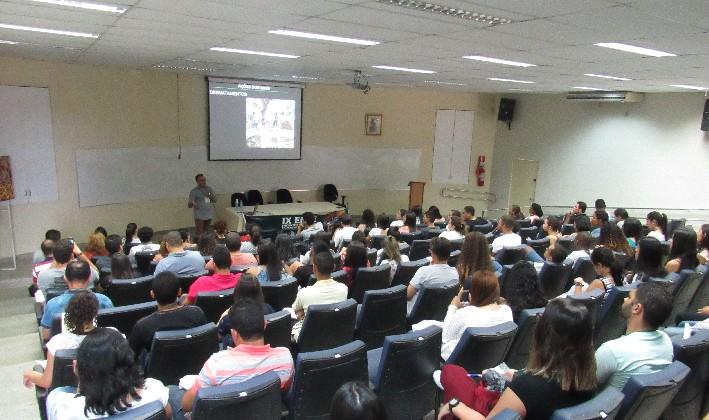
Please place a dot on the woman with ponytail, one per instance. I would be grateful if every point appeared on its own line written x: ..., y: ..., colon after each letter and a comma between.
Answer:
x: 455, y: 229
x: 657, y: 223
x: 609, y: 270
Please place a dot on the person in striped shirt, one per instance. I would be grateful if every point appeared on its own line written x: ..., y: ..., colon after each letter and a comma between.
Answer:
x: 250, y: 357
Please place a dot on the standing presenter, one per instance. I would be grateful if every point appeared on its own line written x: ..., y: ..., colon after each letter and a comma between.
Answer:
x: 202, y: 199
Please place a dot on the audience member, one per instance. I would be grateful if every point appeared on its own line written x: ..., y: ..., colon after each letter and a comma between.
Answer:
x: 356, y: 401
x: 474, y: 256
x: 96, y: 246
x: 455, y: 229
x: 255, y: 239
x: 703, y: 240
x: 220, y: 231
x: 270, y: 267
x: 51, y: 235
x: 109, y: 381
x: 366, y: 222
x: 308, y: 226
x: 683, y: 254
x: 222, y: 279
x: 287, y: 253
x: 600, y: 205
x: 186, y: 238
x: 344, y: 233
x: 382, y: 226
x: 535, y: 213
x: 130, y: 239
x: 409, y: 223
x: 437, y: 216
x: 399, y: 218
x: 583, y: 245
x: 145, y: 235
x: 247, y: 288
x: 114, y: 245
x: 233, y: 244
x: 179, y: 261
x: 648, y: 262
x: 507, y: 238
x: 578, y: 209
x: 608, y: 270
x: 598, y: 218
x: 632, y: 229
x: 206, y: 243
x: 102, y: 230
x: 392, y: 255
x: 427, y: 221
x: 552, y: 228
x: 355, y: 258
x: 438, y: 273
x: 621, y: 215
x: 515, y: 212
x: 65, y: 251
x: 657, y: 223
x: 46, y: 263
x: 613, y: 238
x: 470, y: 219
x: 522, y: 289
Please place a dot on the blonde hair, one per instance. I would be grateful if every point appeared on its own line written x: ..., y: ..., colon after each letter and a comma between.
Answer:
x: 391, y: 248
x: 97, y: 243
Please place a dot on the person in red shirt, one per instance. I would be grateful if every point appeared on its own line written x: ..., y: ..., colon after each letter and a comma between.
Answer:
x: 222, y: 278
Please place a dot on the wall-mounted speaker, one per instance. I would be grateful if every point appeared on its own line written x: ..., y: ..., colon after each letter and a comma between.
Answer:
x: 507, y: 111
x: 705, y: 117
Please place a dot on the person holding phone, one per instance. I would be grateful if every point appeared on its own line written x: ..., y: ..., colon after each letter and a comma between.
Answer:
x: 201, y: 201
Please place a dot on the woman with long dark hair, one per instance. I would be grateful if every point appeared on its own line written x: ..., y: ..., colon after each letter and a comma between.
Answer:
x: 657, y: 223
x: 608, y: 269
x: 285, y: 249
x: 366, y: 222
x: 632, y: 229
x: 613, y: 238
x: 683, y: 254
x: 355, y: 259
x: 270, y: 267
x: 648, y: 261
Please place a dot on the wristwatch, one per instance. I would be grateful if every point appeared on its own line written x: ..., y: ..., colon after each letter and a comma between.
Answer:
x: 453, y: 403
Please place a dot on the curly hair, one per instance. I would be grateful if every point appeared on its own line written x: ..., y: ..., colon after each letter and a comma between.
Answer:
x: 108, y: 375
x: 82, y: 309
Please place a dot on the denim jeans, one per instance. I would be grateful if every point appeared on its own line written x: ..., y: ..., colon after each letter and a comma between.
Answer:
x: 175, y: 401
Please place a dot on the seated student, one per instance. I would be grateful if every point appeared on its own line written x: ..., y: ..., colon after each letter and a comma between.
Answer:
x: 455, y: 230
x: 484, y: 309
x: 399, y: 217
x: 657, y: 223
x: 552, y: 228
x: 250, y: 246
x: 113, y: 246
x: 427, y: 221
x: 620, y: 215
x: 270, y: 267
x: 222, y: 279
x: 249, y: 358
x: 391, y: 255
x: 179, y: 261
x: 344, y: 233
x: 356, y: 401
x: 145, y: 234
x: 522, y: 289
x: 648, y: 261
x: 287, y: 253
x: 578, y: 209
x: 703, y: 240
x: 560, y: 372
x: 324, y: 291
x: 556, y: 254
x: 79, y: 319
x: 169, y: 316
x: 583, y: 244
x: 598, y: 218
x: 643, y: 349
x: 475, y: 256
x: 96, y: 246
x: 51, y: 235
x: 366, y: 222
x: 121, y: 268
x: 233, y: 244
x: 609, y: 272
x: 683, y: 254
x: 437, y: 216
x: 186, y: 239
x: 505, y: 225
x: 536, y: 213
x: 409, y: 223
x: 355, y: 258
x: 220, y: 231
x: 612, y: 237
x: 308, y: 226
x: 206, y: 243
x: 438, y: 273
x: 632, y: 229
x: 38, y: 267
x: 247, y: 288
x: 470, y: 219
x: 515, y: 212
x: 381, y: 227
x: 65, y: 251
x: 109, y: 381
x: 78, y: 279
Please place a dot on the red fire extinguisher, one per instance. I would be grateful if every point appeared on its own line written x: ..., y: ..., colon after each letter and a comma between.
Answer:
x: 480, y: 171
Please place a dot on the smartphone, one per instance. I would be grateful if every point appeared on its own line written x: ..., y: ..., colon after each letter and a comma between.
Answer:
x: 71, y: 240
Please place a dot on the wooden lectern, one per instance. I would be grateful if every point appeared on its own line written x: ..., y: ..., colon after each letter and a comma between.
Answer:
x: 416, y: 193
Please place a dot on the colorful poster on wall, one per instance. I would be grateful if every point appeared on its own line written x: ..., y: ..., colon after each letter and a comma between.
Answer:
x: 7, y: 192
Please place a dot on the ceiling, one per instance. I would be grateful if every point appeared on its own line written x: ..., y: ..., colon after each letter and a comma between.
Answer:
x: 556, y: 35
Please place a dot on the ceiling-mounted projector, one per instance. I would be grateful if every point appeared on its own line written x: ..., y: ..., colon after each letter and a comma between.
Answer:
x: 360, y: 82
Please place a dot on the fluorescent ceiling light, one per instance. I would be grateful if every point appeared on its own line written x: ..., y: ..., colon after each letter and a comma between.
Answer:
x: 586, y: 88
x: 321, y: 37
x: 85, y: 5
x: 47, y: 31
x: 498, y: 79
x: 2, y: 41
x: 427, y: 6
x: 250, y: 52
x: 603, y: 76
x: 633, y: 49
x: 444, y: 83
x: 295, y: 76
x: 498, y: 61
x: 703, y: 89
x: 404, y: 69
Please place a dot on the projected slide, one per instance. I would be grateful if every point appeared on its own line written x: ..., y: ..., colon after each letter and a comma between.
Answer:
x: 270, y: 123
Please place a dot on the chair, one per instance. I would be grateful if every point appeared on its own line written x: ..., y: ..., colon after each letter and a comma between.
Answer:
x: 370, y: 278
x: 278, y: 329
x: 177, y: 353
x: 430, y: 233
x: 433, y: 302
x: 62, y: 375
x: 693, y: 352
x: 383, y: 313
x: 553, y: 278
x: 372, y: 257
x: 701, y: 296
x: 481, y: 348
x: 186, y: 281
x: 376, y: 241
x: 401, y: 370
x: 130, y: 291
x: 338, y: 276
x: 510, y: 255
x: 592, y: 301
x: 527, y: 233
x: 689, y: 283
x: 280, y: 294
x: 453, y: 259
x: 283, y: 196
x: 521, y: 346
x: 647, y: 396
x: 151, y: 411
x: 582, y: 267
x: 484, y: 229
x: 610, y: 323
x: 123, y: 318
x: 539, y: 245
x: 254, y: 197
x: 568, y: 229
x: 256, y: 398
x: 457, y: 244
x: 604, y: 406
x: 143, y: 260
x: 566, y: 243
x: 327, y: 326
x: 420, y: 248
x: 405, y: 271
x: 319, y: 374
x: 215, y: 303
x: 523, y: 223
x: 330, y: 193
x: 238, y: 198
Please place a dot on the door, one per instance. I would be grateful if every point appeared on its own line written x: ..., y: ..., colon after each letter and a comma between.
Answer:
x: 523, y: 183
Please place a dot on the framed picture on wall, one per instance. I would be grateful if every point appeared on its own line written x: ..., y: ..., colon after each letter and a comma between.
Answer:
x: 373, y: 125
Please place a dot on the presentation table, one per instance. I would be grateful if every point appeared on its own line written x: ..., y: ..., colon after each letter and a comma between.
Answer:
x: 278, y: 217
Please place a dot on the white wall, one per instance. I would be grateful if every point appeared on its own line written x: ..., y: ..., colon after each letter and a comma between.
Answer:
x: 650, y: 154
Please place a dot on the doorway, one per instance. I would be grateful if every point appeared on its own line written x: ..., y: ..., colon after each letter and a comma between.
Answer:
x: 523, y: 183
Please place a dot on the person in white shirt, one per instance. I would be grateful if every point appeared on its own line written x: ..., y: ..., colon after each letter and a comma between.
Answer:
x: 308, y: 226
x: 344, y: 233
x: 392, y: 255
x: 398, y: 219
x: 657, y: 223
x: 439, y: 273
x: 455, y: 230
x: 505, y: 225
x: 582, y: 248
x: 620, y: 215
x: 145, y: 234
x: 382, y: 226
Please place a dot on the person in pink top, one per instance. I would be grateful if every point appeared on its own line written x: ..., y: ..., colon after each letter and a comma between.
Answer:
x: 222, y: 278
x: 233, y: 244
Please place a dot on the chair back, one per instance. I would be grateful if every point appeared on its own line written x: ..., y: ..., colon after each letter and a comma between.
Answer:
x: 256, y: 398
x: 523, y: 223
x: 484, y: 229
x: 130, y: 291
x: 254, y: 197
x: 278, y: 329
x: 592, y: 301
x: 56, y: 325
x: 319, y: 374
x: 701, y: 296
x: 453, y: 258
x: 610, y: 323
x: 693, y: 352
x: 481, y: 348
x: 527, y: 233
x: 689, y: 283
x: 123, y: 318
x: 151, y: 411
x: 283, y: 196
x: 376, y: 241
x: 510, y: 255
x: 372, y: 257
x: 647, y: 396
x: 457, y: 244
x: 330, y: 193
x: 383, y: 313
x: 328, y: 326
x: 553, y: 278
x: 402, y: 376
x: 405, y: 271
x: 370, y: 278
x: 604, y: 406
x: 238, y: 198
x: 521, y: 347
x: 433, y: 302
x: 187, y: 280
x: 539, y: 245
x: 53, y: 292
x: 673, y: 225
x: 568, y: 229
x: 177, y: 353
x: 583, y: 267
x: 280, y: 294
x: 63, y: 372
x: 420, y: 248
x: 215, y: 303
x: 143, y: 261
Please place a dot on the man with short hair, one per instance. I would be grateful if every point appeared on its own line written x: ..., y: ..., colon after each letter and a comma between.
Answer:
x: 114, y: 245
x: 77, y: 275
x: 145, y: 234
x: 620, y: 215
x: 438, y: 273
x: 249, y: 358
x: 169, y: 316
x: 643, y: 349
x: 345, y: 233
x: 308, y: 226
x: 201, y: 200
x: 470, y: 219
x: 578, y: 209
x: 222, y: 278
x: 52, y: 235
x: 65, y: 250
x: 179, y: 261
x: 506, y: 225
x: 598, y: 218
x: 233, y: 244
x: 48, y: 251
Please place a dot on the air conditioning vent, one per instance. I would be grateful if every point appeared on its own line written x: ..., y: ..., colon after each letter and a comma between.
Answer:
x: 605, y: 96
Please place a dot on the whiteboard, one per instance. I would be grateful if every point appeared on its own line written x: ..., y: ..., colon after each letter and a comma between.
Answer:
x: 452, y: 145
x: 111, y: 176
x: 26, y: 136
